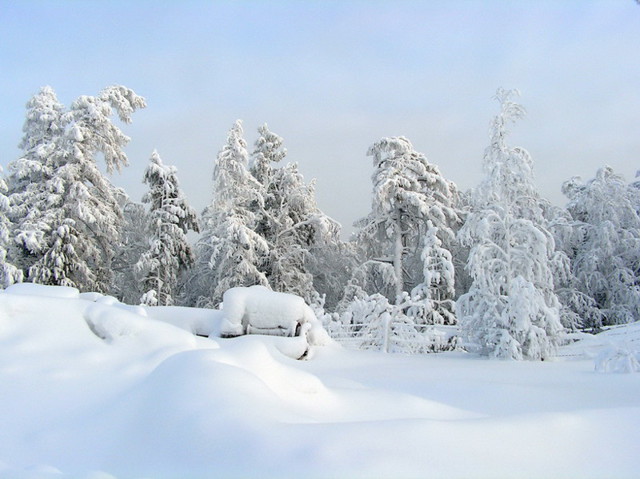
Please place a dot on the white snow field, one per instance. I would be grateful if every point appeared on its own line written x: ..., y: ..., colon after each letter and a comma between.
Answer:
x: 91, y: 388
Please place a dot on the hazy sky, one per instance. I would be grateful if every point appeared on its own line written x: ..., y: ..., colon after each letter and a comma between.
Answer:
x: 333, y: 77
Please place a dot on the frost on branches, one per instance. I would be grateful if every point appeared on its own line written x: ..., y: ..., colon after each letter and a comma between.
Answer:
x: 170, y: 218
x: 134, y: 242
x: 511, y: 310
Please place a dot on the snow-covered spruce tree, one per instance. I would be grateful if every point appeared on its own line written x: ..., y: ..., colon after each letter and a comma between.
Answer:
x: 31, y: 192
x: 89, y: 198
x: 297, y: 233
x: 511, y: 310
x: 432, y: 300
x: 605, y: 248
x: 408, y: 192
x: 75, y: 211
x: 9, y: 274
x: 229, y: 252
x: 170, y: 218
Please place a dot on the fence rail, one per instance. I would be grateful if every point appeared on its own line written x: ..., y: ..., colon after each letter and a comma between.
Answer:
x: 395, y: 336
x: 404, y: 337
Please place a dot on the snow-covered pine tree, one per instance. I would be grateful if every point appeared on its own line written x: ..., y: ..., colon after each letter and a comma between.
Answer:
x: 229, y: 252
x: 408, y: 191
x: 604, y: 248
x: 9, y: 274
x: 511, y: 310
x: 296, y: 231
x: 32, y: 193
x: 170, y: 218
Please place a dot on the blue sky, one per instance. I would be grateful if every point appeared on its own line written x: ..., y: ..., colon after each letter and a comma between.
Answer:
x: 333, y: 77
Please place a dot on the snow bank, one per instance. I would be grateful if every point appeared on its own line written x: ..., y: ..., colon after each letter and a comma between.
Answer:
x: 32, y: 289
x: 91, y: 390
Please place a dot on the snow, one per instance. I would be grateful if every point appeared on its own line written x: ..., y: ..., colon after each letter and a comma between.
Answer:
x: 258, y: 310
x: 92, y: 389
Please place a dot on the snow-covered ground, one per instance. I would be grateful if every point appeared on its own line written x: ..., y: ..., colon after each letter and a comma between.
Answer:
x: 90, y: 388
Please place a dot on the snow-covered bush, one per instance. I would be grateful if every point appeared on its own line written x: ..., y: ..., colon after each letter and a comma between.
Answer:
x: 618, y: 358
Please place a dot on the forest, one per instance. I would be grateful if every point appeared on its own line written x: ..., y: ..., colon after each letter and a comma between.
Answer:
x: 510, y: 271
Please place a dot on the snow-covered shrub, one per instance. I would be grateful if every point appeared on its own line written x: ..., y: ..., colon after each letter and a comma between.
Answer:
x: 366, y: 320
x: 618, y: 358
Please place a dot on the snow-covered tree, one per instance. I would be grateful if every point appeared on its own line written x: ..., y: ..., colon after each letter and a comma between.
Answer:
x: 9, y: 274
x: 68, y: 210
x: 604, y: 246
x: 296, y: 231
x: 89, y: 198
x: 230, y: 251
x: 170, y: 218
x: 511, y: 310
x: 134, y: 242
x: 31, y: 191
x: 61, y: 265
x: 432, y: 300
x: 408, y: 191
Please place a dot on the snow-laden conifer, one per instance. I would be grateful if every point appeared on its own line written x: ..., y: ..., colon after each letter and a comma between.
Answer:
x: 229, y: 252
x: 9, y: 273
x: 408, y: 192
x: 32, y: 192
x: 170, y: 218
x: 511, y: 310
x: 432, y: 300
x: 69, y: 211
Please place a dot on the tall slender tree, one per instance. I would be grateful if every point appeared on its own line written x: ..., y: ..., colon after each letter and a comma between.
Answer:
x: 511, y: 310
x: 230, y: 251
x: 31, y: 192
x: 170, y: 218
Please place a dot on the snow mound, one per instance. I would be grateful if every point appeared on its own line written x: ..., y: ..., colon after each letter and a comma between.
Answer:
x: 619, y: 358
x: 258, y: 310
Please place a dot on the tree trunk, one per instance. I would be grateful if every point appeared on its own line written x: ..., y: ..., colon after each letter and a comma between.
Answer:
x: 397, y: 260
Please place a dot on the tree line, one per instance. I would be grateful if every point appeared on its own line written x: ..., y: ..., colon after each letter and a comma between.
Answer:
x: 511, y: 270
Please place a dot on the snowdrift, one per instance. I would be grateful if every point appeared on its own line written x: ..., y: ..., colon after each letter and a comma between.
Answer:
x: 94, y: 389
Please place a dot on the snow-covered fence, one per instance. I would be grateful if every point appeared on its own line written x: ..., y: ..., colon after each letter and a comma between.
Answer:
x: 395, y: 336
